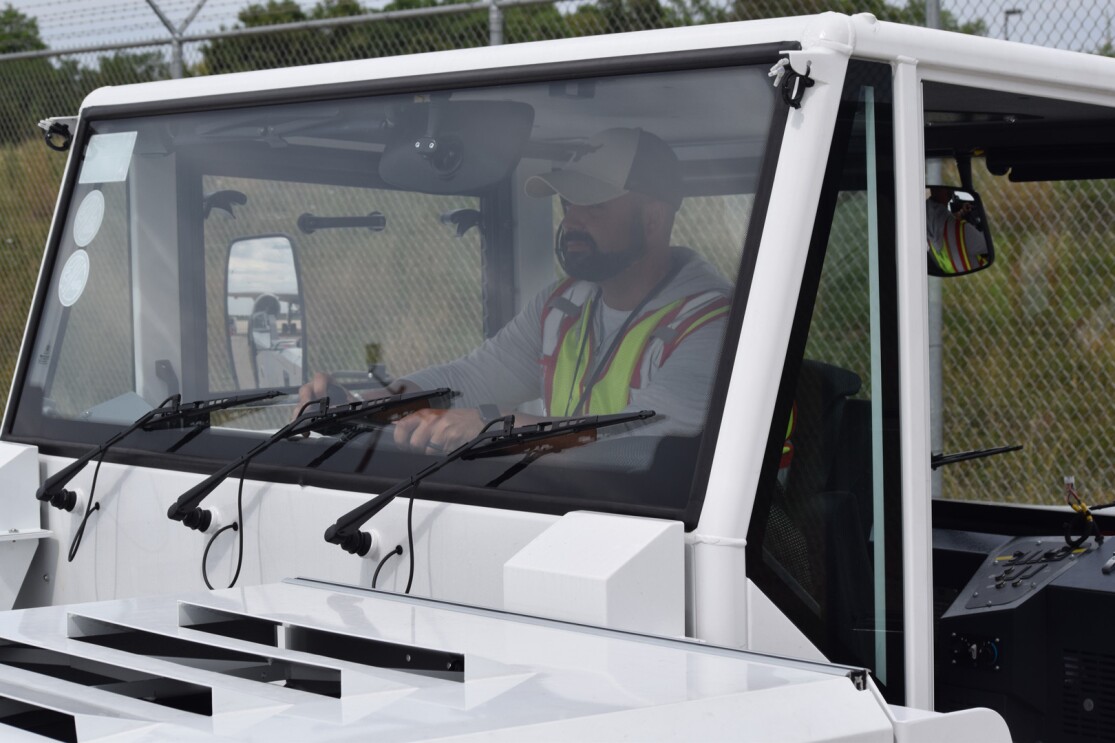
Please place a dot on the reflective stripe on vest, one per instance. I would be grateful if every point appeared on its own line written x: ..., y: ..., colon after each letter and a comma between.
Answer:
x: 647, y: 343
x: 952, y: 256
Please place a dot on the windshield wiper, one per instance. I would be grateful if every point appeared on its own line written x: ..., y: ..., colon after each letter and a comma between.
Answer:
x: 170, y: 413
x: 314, y: 417
x: 490, y: 442
x: 940, y: 460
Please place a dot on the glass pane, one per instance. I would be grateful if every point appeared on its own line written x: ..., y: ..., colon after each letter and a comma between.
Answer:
x: 95, y: 364
x: 544, y: 250
x: 828, y: 544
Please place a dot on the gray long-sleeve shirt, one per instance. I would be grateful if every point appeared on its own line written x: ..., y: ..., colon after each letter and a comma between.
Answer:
x: 506, y: 369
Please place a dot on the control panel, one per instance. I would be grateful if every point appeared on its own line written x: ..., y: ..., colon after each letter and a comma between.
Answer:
x: 1029, y: 636
x: 1017, y: 570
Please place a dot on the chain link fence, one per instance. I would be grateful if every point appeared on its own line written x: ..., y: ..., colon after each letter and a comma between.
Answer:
x: 1028, y: 346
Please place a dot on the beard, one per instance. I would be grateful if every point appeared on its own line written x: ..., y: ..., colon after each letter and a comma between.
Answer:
x: 592, y: 264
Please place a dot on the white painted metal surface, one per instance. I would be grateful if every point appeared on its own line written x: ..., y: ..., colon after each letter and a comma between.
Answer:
x: 608, y: 571
x: 19, y: 517
x: 720, y: 592
x: 913, y: 343
x: 523, y: 678
x: 131, y: 548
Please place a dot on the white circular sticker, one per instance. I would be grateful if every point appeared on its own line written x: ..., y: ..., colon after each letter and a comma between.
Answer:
x: 74, y: 275
x: 87, y: 221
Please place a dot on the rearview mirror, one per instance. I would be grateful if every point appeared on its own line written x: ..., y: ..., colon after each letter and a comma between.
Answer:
x: 959, y: 240
x: 265, y: 324
x: 454, y: 147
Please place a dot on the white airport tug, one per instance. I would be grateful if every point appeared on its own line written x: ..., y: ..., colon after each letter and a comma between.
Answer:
x: 572, y: 390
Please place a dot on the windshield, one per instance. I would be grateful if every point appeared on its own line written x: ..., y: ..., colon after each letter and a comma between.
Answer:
x: 545, y: 250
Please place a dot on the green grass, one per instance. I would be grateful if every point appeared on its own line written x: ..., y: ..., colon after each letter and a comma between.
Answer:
x: 29, y: 178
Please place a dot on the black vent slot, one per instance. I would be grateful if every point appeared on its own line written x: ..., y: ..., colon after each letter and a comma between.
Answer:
x: 366, y: 651
x: 227, y: 624
x: 413, y: 659
x: 48, y: 723
x: 252, y: 666
x: 127, y: 682
x: 1088, y: 698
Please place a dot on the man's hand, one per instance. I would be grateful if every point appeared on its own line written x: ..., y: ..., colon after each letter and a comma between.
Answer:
x: 322, y: 384
x: 436, y: 431
x: 316, y: 388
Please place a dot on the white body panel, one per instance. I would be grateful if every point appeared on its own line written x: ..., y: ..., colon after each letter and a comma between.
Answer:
x: 507, y: 559
x: 19, y: 519
x: 523, y: 678
x: 603, y: 570
x: 131, y: 549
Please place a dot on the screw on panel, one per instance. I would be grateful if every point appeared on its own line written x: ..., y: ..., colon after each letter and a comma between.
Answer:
x: 47, y: 577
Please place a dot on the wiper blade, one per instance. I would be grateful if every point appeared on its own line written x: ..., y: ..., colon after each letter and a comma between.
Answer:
x: 315, y: 417
x: 940, y: 460
x: 490, y: 442
x: 170, y: 413
x: 548, y: 436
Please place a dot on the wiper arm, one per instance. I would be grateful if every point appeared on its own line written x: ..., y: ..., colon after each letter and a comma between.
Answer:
x: 940, y: 460
x: 170, y: 413
x: 490, y: 442
x: 315, y: 417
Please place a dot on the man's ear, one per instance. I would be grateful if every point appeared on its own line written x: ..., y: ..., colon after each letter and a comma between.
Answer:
x: 658, y: 219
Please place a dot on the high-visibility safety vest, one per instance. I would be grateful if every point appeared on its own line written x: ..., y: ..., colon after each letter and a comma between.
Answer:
x: 648, y: 341
x: 951, y: 254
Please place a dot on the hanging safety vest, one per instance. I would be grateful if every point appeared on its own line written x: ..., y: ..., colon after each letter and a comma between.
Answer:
x: 951, y: 254
x: 788, y: 442
x: 568, y: 354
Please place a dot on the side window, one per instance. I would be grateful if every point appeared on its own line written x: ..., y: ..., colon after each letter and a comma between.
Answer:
x: 825, y: 540
x: 94, y: 267
x: 1026, y: 347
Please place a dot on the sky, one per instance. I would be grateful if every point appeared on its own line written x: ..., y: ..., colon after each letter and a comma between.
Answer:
x: 1080, y: 25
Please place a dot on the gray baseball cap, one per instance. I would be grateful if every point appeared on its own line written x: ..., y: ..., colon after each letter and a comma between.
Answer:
x: 617, y: 161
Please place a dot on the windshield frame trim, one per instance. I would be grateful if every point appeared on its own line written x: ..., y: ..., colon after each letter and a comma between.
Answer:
x: 723, y: 57
x: 694, y: 59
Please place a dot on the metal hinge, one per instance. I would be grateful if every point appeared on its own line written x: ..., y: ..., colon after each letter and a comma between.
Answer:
x: 792, y: 83
x: 58, y: 131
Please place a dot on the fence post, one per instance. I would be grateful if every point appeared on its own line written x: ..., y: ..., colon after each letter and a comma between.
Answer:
x: 495, y: 24
x: 176, y: 35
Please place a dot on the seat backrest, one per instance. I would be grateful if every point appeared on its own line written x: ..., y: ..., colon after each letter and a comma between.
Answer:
x: 813, y: 534
x: 819, y: 401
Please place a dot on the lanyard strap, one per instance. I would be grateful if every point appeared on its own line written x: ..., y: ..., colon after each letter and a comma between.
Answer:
x: 613, y: 348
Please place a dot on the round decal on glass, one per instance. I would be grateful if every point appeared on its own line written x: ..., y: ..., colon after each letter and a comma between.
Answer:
x: 74, y: 275
x: 87, y: 221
